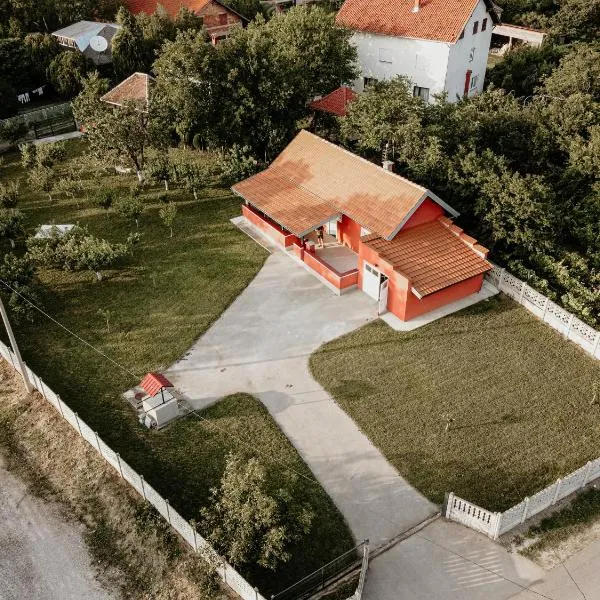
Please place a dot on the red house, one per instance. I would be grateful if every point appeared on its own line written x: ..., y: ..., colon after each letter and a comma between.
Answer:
x: 392, y: 238
x: 217, y: 17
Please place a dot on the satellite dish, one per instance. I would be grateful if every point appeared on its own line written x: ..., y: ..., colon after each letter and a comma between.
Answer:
x: 98, y: 43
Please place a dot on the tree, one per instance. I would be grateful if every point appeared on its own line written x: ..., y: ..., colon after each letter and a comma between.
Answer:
x: 188, y: 20
x: 9, y: 105
x: 103, y: 197
x: 66, y: 73
x: 577, y: 20
x: 121, y: 133
x: 28, y: 155
x: 12, y: 131
x: 130, y: 207
x: 129, y: 48
x: 11, y: 224
x: 70, y: 185
x: 18, y: 284
x: 46, y: 155
x: 248, y: 523
x: 578, y: 72
x: 42, y: 49
x: 237, y: 164
x: 158, y: 167
x: 167, y: 214
x: 42, y: 179
x: 75, y: 250
x: 9, y: 194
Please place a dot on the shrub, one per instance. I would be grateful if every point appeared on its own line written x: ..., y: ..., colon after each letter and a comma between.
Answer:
x: 130, y: 207
x: 103, y: 197
x: 167, y: 214
x: 9, y: 194
x: 11, y: 224
x: 28, y: 155
x: 197, y: 141
x: 42, y: 179
x: 19, y: 274
x: 48, y: 154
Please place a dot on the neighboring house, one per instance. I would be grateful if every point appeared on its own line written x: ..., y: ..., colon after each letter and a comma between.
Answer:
x: 90, y: 38
x: 217, y: 17
x: 390, y: 237
x: 440, y: 45
x: 505, y: 37
x: 335, y: 103
x: 134, y: 89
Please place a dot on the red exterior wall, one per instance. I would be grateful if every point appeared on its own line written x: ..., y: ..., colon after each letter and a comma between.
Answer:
x: 348, y: 233
x: 277, y: 234
x: 340, y: 280
x: 401, y: 301
x: 211, y: 16
x: 427, y: 212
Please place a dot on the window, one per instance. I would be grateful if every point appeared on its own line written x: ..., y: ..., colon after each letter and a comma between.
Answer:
x: 472, y: 55
x: 484, y: 24
x: 462, y: 35
x: 474, y: 81
x: 223, y: 19
x: 475, y: 27
x: 369, y: 81
x: 421, y: 92
x: 385, y: 55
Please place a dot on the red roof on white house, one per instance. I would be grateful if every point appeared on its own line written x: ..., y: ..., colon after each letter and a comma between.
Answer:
x: 437, y: 20
x: 336, y: 102
x: 172, y: 7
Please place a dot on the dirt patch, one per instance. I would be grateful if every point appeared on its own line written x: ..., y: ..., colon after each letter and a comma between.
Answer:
x: 133, y: 550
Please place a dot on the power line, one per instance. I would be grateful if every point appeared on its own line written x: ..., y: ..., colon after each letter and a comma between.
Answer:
x: 114, y: 362
x: 271, y: 460
x: 522, y: 587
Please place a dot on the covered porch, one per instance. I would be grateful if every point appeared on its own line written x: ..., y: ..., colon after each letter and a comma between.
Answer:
x: 334, y: 264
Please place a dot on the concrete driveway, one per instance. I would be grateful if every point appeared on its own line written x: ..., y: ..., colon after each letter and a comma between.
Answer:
x: 261, y: 345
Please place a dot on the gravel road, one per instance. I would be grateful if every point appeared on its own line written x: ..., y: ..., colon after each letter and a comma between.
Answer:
x: 42, y: 554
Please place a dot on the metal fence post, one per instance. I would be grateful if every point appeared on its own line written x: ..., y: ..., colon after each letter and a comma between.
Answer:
x: 143, y: 490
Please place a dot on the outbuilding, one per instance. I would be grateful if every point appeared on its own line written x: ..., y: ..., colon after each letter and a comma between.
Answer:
x: 355, y: 224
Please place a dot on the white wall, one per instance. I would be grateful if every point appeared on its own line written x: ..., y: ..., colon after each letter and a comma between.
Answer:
x: 424, y: 62
x: 438, y: 66
x: 460, y: 61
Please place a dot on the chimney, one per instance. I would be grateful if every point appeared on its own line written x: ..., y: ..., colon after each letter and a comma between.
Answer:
x: 417, y: 6
x: 388, y: 165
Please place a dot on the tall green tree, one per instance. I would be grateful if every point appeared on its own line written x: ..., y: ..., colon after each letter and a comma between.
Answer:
x: 66, y: 73
x: 130, y: 51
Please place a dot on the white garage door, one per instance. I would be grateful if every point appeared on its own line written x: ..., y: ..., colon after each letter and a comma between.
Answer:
x: 371, y: 277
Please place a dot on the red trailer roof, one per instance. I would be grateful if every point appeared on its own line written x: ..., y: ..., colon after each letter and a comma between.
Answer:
x: 154, y: 382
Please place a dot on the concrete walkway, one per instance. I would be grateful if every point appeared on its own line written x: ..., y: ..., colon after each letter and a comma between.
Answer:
x: 261, y: 345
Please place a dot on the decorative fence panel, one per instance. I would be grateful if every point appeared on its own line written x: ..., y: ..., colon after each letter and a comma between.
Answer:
x: 229, y: 575
x: 471, y: 515
x: 558, y: 318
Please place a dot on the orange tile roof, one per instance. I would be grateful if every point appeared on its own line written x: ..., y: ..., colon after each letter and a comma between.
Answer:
x: 336, y: 102
x: 438, y: 20
x: 431, y: 256
x: 135, y: 88
x: 292, y: 207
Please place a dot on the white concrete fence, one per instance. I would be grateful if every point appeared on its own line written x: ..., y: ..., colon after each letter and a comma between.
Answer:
x: 227, y: 573
x: 558, y: 318
x: 363, y: 575
x: 495, y: 524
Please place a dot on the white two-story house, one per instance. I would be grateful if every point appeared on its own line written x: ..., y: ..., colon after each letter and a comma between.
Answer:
x: 440, y: 45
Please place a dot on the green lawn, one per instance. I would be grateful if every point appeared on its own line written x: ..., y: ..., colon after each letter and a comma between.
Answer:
x: 166, y: 295
x: 520, y: 397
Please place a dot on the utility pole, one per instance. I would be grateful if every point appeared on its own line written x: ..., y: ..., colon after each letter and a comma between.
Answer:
x: 15, y: 348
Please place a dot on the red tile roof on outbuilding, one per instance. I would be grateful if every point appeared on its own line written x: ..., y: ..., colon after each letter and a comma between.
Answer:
x: 154, y: 382
x: 135, y: 89
x: 335, y: 103
x: 438, y: 20
x: 432, y: 256
x: 171, y: 6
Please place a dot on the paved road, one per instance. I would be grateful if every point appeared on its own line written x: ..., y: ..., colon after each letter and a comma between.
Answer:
x: 261, y: 345
x: 42, y: 555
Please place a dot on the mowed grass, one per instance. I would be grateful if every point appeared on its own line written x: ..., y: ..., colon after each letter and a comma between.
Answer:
x: 521, y: 400
x: 160, y: 300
